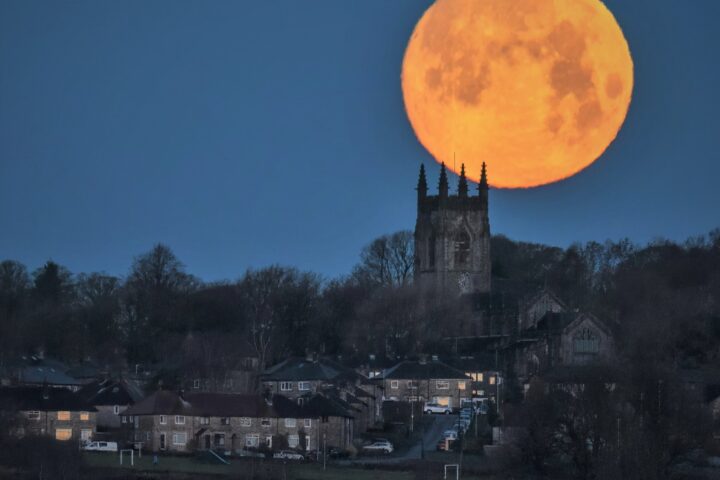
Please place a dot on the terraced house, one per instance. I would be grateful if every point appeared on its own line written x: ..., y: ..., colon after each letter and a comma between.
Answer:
x: 56, y: 412
x: 426, y: 381
x: 175, y: 422
x: 301, y: 378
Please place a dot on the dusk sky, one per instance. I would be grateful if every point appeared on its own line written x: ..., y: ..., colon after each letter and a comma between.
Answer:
x: 244, y: 134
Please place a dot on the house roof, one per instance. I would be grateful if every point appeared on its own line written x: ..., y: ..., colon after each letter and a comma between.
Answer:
x: 111, y: 392
x: 43, y: 399
x: 416, y: 370
x: 301, y: 369
x: 205, y: 404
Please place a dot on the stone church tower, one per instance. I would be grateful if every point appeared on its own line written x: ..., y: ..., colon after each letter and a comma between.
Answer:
x: 452, y: 237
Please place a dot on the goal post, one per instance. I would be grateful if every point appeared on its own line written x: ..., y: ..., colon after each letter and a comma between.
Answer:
x: 132, y: 456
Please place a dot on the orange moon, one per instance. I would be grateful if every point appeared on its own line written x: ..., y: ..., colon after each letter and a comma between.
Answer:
x: 538, y: 89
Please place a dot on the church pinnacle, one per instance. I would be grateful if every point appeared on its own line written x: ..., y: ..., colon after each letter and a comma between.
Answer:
x: 422, y: 183
x: 443, y: 186
x: 462, y: 183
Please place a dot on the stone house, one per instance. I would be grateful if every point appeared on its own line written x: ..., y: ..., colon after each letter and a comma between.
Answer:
x: 110, y: 398
x: 168, y: 421
x: 55, y: 412
x: 302, y: 377
x: 426, y: 381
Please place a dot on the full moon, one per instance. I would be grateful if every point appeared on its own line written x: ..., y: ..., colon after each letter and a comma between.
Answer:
x: 537, y: 89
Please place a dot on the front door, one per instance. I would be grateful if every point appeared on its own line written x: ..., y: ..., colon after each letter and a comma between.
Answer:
x: 162, y: 441
x: 207, y: 442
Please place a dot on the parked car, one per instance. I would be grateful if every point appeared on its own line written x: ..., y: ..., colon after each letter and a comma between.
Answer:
x: 250, y: 454
x: 382, y: 446
x: 437, y: 408
x: 288, y: 455
x: 334, y: 452
x: 100, y: 447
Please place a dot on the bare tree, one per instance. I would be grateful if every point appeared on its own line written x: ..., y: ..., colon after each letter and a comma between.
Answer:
x: 388, y: 260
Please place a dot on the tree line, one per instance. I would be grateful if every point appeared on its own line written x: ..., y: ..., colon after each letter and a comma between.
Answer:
x: 664, y: 296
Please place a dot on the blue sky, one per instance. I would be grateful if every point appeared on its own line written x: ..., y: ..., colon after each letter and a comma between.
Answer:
x: 249, y: 133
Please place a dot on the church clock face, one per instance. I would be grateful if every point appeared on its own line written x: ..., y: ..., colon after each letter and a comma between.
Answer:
x: 464, y: 283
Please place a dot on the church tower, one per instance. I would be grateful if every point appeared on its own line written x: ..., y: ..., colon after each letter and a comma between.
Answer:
x: 452, y: 236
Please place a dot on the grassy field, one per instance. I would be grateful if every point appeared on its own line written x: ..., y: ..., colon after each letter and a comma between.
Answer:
x: 238, y: 467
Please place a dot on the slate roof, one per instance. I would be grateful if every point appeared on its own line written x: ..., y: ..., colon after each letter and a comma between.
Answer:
x: 301, y: 369
x: 111, y: 392
x: 42, y: 399
x: 205, y: 404
x: 34, y: 370
x: 430, y: 370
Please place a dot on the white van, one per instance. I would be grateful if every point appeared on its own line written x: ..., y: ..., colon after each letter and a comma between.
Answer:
x: 101, y: 447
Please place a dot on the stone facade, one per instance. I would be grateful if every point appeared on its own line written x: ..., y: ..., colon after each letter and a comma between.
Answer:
x: 61, y: 425
x: 188, y: 426
x: 426, y: 382
x: 452, y: 237
x: 569, y: 339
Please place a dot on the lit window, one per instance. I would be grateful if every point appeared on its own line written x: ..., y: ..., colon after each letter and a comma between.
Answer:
x: 304, y: 386
x: 245, y: 422
x: 442, y: 385
x: 394, y: 384
x: 34, y: 415
x: 163, y: 420
x: 63, y: 434
x: 308, y: 423
x: 265, y: 422
x: 84, y: 416
x: 179, y: 420
x: 492, y: 380
x: 179, y: 438
x: 285, y: 386
x: 461, y: 385
x: 290, y: 422
x: 63, y: 415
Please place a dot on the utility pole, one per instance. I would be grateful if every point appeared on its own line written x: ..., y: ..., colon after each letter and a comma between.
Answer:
x: 324, y: 451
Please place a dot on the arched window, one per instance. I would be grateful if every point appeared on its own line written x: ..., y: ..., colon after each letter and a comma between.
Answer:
x: 462, y: 249
x: 586, y: 341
